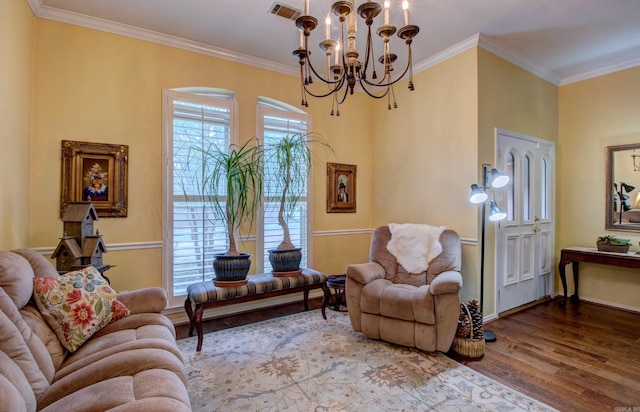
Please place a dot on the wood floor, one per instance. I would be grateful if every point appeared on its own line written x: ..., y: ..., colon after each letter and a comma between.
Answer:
x: 585, y: 357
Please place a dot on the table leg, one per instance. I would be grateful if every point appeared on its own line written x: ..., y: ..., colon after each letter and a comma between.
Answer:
x: 574, y: 297
x: 563, y: 277
x: 325, y: 300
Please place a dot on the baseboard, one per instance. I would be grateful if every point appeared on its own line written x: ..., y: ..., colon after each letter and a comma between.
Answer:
x: 608, y: 304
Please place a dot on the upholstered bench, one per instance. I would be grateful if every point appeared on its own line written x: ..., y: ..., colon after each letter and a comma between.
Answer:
x: 205, y: 295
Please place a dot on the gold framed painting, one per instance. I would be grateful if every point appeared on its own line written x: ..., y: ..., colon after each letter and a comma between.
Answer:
x: 95, y: 172
x: 341, y: 188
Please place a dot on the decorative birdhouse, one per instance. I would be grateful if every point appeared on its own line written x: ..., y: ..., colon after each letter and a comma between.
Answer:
x: 79, y: 246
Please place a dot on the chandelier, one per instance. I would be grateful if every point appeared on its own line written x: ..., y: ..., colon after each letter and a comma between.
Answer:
x: 346, y: 70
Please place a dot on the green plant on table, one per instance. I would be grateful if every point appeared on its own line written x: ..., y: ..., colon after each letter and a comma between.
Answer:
x: 613, y: 240
x: 292, y: 156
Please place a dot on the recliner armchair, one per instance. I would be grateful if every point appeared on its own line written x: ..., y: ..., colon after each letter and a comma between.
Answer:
x: 418, y: 310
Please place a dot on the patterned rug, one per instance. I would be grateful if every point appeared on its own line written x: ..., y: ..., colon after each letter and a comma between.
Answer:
x: 304, y: 363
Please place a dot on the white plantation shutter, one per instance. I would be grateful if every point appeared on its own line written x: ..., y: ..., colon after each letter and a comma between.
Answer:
x: 276, y: 124
x: 193, y: 235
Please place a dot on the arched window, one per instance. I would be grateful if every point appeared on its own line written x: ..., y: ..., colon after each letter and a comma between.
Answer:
x: 275, y: 121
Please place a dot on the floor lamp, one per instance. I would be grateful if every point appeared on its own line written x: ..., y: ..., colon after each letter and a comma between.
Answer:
x: 480, y: 196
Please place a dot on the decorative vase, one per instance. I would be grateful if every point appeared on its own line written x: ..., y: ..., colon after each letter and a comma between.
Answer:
x: 231, y: 270
x: 285, y: 261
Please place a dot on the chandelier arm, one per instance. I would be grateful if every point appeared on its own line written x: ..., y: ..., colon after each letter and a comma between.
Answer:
x: 373, y: 95
x: 391, y: 82
x: 330, y: 92
x: 368, y: 53
x: 330, y: 82
x: 344, y: 97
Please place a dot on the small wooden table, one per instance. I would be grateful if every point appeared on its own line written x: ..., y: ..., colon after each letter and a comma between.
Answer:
x: 575, y: 255
x: 338, y: 300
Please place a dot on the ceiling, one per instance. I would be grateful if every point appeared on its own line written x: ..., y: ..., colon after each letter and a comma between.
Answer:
x: 562, y: 41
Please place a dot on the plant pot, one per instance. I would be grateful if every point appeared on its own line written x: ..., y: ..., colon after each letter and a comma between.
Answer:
x: 231, y: 270
x: 285, y: 260
x: 606, y: 247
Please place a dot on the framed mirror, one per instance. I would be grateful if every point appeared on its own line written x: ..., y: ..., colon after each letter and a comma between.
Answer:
x: 623, y: 188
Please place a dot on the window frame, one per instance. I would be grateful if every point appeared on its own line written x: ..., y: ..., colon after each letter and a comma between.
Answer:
x: 269, y: 107
x: 203, y: 96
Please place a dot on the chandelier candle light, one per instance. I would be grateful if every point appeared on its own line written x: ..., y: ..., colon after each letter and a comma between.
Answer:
x: 346, y: 70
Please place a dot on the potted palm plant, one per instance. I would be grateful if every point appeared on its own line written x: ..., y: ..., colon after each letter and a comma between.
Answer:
x: 292, y: 157
x: 232, y: 183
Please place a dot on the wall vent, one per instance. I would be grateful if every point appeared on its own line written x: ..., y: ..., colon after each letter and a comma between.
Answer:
x: 285, y: 11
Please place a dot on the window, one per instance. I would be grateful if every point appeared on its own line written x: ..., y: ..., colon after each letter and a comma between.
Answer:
x: 511, y: 190
x: 195, y: 119
x: 546, y: 189
x: 526, y: 188
x: 276, y: 121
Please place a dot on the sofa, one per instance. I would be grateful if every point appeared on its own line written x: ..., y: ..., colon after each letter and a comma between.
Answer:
x: 128, y: 360
x: 416, y: 308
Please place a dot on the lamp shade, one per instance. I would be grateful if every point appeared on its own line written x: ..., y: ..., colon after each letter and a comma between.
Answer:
x: 627, y: 188
x: 477, y: 195
x: 496, y: 213
x: 498, y: 179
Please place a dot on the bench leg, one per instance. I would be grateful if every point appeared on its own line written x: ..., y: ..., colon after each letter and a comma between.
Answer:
x: 197, y: 319
x: 306, y: 300
x: 189, y: 310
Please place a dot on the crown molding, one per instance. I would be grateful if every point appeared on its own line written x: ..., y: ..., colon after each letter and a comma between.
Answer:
x: 601, y: 72
x: 477, y: 40
x: 36, y: 5
x: 108, y: 26
x: 446, y: 54
x: 508, y: 54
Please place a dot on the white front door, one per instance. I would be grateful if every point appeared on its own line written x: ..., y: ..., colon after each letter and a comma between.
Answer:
x: 524, y: 240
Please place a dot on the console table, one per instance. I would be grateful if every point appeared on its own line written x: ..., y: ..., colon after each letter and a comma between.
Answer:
x: 575, y: 255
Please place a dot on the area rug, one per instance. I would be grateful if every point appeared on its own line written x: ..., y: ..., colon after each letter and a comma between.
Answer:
x: 305, y: 363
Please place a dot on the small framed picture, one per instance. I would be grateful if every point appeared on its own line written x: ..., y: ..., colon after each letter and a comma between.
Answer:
x: 341, y: 188
x: 95, y: 172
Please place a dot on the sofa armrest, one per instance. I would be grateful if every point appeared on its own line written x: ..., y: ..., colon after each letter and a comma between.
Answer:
x: 365, y: 273
x: 147, y: 300
x: 446, y: 282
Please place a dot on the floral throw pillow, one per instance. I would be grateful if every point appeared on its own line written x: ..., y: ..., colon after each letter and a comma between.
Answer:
x: 77, y: 304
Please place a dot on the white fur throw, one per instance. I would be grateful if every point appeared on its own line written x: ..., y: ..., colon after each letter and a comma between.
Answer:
x: 415, y: 245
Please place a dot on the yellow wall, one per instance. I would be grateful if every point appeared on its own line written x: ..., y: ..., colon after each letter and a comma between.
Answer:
x: 99, y: 87
x: 594, y: 114
x: 425, y: 153
x: 16, y: 65
x: 510, y: 98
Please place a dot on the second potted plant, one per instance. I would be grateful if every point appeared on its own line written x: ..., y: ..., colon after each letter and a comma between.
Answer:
x: 292, y: 157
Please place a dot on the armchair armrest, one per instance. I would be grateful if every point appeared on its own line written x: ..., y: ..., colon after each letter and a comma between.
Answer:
x: 147, y: 300
x: 364, y: 273
x: 446, y: 282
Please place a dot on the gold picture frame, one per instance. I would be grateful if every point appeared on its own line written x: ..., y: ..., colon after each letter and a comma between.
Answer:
x: 96, y: 172
x: 341, y: 188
